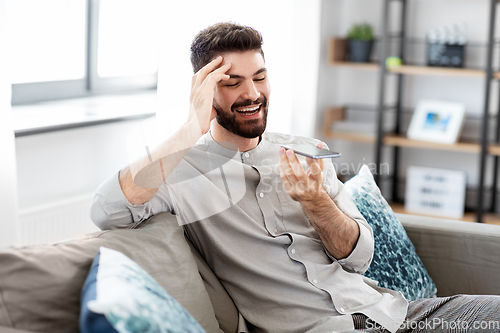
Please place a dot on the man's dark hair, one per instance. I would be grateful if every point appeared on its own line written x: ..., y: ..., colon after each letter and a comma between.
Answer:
x: 221, y: 38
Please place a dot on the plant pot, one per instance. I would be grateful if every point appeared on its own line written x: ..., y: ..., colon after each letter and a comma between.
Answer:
x: 360, y: 50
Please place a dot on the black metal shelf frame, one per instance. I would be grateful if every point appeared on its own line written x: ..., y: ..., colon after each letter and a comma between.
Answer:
x: 383, y: 53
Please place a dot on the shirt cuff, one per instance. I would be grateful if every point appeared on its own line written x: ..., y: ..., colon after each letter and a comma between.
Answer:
x: 110, y: 208
x: 357, y: 260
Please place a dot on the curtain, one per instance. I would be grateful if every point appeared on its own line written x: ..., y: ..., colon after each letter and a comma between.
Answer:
x: 8, y: 179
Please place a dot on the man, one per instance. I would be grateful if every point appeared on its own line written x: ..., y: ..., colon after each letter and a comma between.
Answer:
x: 283, y: 236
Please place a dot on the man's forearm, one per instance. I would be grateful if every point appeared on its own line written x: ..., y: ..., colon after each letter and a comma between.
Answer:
x: 141, y: 180
x: 338, y: 232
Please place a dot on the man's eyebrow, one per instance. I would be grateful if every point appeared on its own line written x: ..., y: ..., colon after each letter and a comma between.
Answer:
x: 263, y: 69
x: 236, y: 76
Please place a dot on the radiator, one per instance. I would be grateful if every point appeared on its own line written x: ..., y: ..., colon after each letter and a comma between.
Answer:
x: 55, y: 221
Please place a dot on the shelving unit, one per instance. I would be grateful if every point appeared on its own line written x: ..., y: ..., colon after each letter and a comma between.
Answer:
x: 395, y: 138
x: 436, y: 71
x: 468, y: 217
x: 356, y: 65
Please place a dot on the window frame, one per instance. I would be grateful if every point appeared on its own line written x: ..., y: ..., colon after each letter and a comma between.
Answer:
x: 91, y: 84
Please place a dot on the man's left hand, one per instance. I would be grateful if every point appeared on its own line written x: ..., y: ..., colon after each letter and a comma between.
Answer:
x: 302, y: 186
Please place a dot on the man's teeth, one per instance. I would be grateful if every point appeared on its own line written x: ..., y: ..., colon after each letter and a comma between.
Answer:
x: 250, y: 111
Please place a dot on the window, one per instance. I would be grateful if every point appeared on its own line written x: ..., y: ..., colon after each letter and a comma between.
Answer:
x: 123, y: 49
x: 66, y: 49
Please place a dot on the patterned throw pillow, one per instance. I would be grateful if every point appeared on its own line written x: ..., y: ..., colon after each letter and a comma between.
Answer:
x: 119, y: 296
x: 395, y: 264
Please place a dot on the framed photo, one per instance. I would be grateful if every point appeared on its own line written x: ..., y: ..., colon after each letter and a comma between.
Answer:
x: 437, y: 121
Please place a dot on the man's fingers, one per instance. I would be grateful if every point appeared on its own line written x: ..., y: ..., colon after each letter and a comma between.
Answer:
x: 286, y: 182
x: 295, y: 164
x: 316, y: 163
x: 315, y: 168
x: 288, y: 171
x: 206, y: 90
x: 207, y: 69
x: 212, y: 77
x: 212, y: 80
x: 322, y: 164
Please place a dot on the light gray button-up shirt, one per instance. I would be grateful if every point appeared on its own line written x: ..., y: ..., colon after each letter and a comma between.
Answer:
x: 259, y: 242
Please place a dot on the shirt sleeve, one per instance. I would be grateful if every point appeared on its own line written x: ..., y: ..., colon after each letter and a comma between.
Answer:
x: 110, y: 209
x: 360, y: 258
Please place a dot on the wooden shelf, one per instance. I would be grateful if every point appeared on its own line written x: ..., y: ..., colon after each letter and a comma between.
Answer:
x: 402, y: 141
x: 354, y: 137
x: 417, y: 70
x: 371, y: 66
x: 337, y: 50
x: 437, y: 71
x: 494, y: 149
x: 335, y: 114
x: 488, y: 218
x: 337, y: 54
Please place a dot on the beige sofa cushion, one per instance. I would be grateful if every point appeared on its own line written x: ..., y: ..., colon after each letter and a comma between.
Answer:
x: 4, y: 329
x: 225, y: 311
x: 40, y: 285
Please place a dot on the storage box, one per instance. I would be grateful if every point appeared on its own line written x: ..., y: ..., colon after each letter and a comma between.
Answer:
x: 437, y: 192
x: 445, y: 55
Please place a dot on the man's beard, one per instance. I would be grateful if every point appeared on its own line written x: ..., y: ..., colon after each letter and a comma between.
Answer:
x: 249, y: 128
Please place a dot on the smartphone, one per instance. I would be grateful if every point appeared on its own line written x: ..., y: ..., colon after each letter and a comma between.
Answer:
x: 311, y: 151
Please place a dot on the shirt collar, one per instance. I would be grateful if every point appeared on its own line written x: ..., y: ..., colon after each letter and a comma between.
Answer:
x: 209, y: 144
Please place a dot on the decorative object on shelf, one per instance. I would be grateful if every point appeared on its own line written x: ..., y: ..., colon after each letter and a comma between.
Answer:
x: 337, y: 50
x: 391, y: 62
x: 360, y: 42
x: 438, y: 192
x: 437, y: 121
x: 445, y: 46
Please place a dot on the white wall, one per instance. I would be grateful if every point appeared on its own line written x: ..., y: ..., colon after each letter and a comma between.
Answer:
x: 305, y: 65
x: 338, y: 86
x: 59, y: 165
x: 8, y: 189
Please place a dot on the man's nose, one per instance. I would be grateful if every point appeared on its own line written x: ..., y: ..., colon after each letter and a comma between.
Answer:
x: 251, y: 92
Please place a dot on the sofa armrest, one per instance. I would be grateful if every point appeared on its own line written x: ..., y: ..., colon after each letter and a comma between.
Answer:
x: 461, y: 257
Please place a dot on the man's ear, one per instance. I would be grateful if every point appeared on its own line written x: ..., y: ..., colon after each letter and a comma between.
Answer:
x: 215, y: 107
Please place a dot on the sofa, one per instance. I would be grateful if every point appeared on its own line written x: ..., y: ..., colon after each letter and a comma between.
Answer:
x: 40, y: 285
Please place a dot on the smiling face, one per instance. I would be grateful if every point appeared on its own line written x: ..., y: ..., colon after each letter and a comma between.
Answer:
x: 242, y: 101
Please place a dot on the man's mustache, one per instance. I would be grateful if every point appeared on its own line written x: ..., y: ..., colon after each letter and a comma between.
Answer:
x: 261, y: 100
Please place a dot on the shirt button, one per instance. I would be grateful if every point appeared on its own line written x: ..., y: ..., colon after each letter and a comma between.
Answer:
x: 342, y: 310
x: 315, y: 281
x: 293, y: 251
x: 247, y: 155
x: 261, y: 194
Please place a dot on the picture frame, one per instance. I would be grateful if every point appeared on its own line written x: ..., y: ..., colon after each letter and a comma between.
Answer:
x: 437, y: 121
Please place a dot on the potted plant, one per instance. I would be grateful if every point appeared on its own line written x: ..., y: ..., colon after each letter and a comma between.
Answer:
x: 360, y: 42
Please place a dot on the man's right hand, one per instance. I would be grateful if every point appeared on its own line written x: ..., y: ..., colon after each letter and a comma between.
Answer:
x: 202, y: 92
x: 140, y: 180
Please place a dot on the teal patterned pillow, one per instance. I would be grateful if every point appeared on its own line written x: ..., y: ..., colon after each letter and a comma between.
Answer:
x: 395, y: 263
x: 119, y: 296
